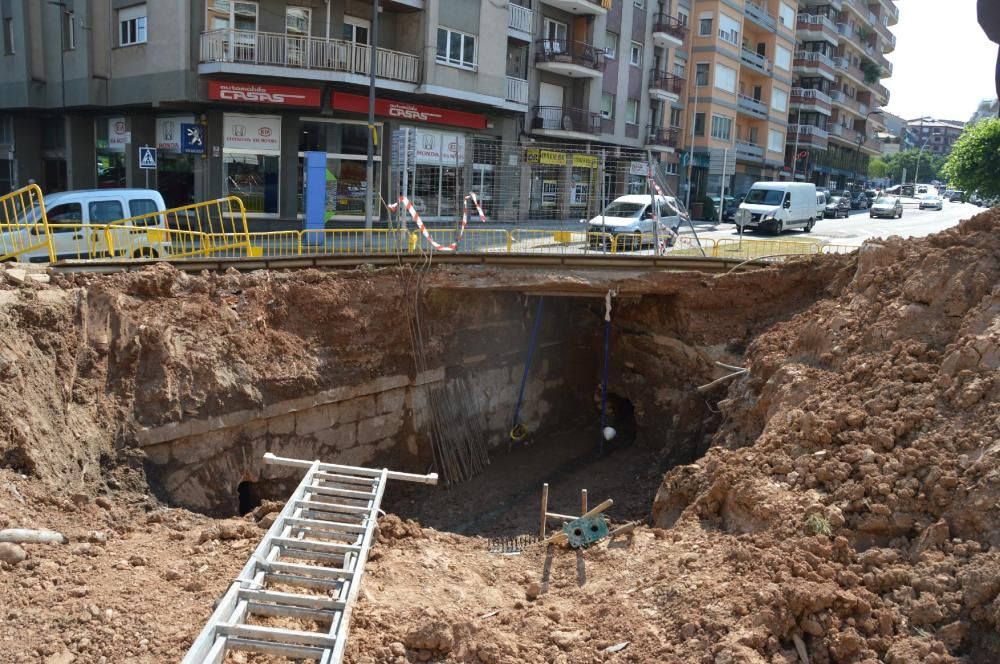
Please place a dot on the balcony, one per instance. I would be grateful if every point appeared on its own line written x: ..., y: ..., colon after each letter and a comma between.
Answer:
x: 760, y: 16
x: 816, y: 27
x: 749, y: 151
x: 665, y: 87
x: 881, y: 94
x: 892, y: 11
x: 581, y: 7
x: 565, y: 122
x: 756, y: 61
x: 811, y: 100
x: 668, y: 32
x: 808, y: 135
x: 517, y: 90
x: 569, y: 58
x: 519, y: 22
x: 751, y: 106
x: 811, y: 62
x: 660, y: 137
x: 274, y: 54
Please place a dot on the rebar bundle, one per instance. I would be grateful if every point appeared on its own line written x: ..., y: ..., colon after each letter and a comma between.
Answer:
x: 509, y: 544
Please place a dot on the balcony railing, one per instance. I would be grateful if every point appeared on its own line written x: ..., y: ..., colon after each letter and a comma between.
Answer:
x: 814, y: 58
x: 844, y: 29
x: 517, y: 90
x: 661, y: 136
x: 569, y: 52
x: 751, y: 105
x: 760, y: 15
x: 749, y: 150
x: 563, y: 118
x: 660, y: 80
x: 279, y: 50
x: 756, y: 60
x: 808, y: 130
x: 811, y: 95
x: 669, y: 25
x: 519, y: 18
x: 836, y: 130
x: 808, y: 21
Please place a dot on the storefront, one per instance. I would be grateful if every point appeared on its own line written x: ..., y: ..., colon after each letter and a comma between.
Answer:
x: 346, y: 145
x: 112, y: 136
x: 175, y: 174
x: 562, y: 185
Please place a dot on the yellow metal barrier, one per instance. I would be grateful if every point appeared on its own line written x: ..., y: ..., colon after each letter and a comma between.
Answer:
x: 839, y: 249
x: 763, y: 249
x: 24, y: 226
x: 353, y: 241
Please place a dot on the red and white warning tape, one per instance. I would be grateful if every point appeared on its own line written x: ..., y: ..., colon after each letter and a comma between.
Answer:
x: 671, y: 237
x: 408, y: 206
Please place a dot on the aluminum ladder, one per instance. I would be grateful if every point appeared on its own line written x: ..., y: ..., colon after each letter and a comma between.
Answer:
x: 295, y: 594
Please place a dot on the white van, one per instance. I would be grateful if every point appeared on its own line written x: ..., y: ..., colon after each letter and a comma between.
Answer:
x: 67, y: 211
x: 776, y: 206
x: 633, y: 215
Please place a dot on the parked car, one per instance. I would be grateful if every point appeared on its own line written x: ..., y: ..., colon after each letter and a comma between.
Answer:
x: 957, y: 196
x: 871, y: 195
x: 859, y: 201
x: 887, y: 206
x: 70, y: 213
x: 821, y: 199
x: 838, y: 206
x: 630, y: 220
x: 931, y: 202
x: 777, y: 206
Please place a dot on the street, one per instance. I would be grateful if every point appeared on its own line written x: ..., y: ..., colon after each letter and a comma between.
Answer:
x: 857, y: 228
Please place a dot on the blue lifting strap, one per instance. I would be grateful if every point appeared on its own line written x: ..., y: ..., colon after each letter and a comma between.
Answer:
x: 518, y: 431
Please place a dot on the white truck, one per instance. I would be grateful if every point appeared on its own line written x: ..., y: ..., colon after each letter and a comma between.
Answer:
x: 777, y: 206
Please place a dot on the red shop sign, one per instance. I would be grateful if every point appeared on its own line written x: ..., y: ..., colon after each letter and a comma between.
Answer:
x: 264, y: 94
x: 400, y: 110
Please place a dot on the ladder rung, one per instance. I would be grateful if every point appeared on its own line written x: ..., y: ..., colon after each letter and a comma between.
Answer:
x: 282, y: 611
x: 331, y: 507
x: 340, y: 517
x: 297, y: 581
x: 344, y: 493
x: 280, y: 649
x: 292, y: 599
x: 346, y: 479
x: 337, y: 559
x: 323, y: 525
x: 310, y: 545
x: 278, y: 635
x: 306, y: 570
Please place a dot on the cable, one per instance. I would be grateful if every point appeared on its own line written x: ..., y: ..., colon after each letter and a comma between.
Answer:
x: 518, y: 431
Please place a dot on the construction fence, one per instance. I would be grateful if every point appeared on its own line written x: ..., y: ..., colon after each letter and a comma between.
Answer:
x: 218, y: 229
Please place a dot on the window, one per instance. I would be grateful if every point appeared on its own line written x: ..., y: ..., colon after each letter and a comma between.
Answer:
x: 632, y: 111
x: 783, y: 58
x: 729, y: 30
x: 705, y: 24
x: 635, y: 54
x: 701, y: 73
x: 68, y: 31
x: 670, y: 168
x: 725, y: 78
x: 611, y: 45
x: 675, y: 117
x: 786, y: 15
x: 555, y: 36
x: 775, y: 141
x: 680, y: 65
x: 607, y: 106
x: 225, y: 14
x: 699, y: 124
x: 779, y: 100
x: 356, y: 30
x: 132, y: 25
x: 104, y: 212
x: 67, y: 213
x: 641, y: 4
x: 682, y: 16
x: 722, y: 127
x: 456, y: 48
x: 8, y: 36
x: 297, y: 21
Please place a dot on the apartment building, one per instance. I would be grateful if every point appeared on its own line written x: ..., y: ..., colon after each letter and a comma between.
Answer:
x: 233, y: 93
x: 934, y: 135
x: 840, y: 62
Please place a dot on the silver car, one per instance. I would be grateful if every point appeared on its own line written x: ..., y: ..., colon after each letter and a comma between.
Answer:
x: 886, y: 206
x: 931, y: 202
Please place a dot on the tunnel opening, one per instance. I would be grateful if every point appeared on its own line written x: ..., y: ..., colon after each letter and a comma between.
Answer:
x: 248, y: 497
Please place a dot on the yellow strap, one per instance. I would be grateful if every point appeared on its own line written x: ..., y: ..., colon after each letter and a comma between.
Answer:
x: 374, y: 131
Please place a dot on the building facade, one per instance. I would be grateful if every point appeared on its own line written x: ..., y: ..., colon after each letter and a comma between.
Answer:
x: 933, y: 135
x: 988, y: 108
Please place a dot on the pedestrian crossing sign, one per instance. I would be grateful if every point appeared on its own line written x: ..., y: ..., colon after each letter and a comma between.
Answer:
x: 147, y: 158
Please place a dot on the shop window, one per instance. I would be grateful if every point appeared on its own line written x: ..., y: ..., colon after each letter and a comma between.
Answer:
x: 346, y: 146
x: 253, y: 178
x: 132, y: 25
x: 110, y: 153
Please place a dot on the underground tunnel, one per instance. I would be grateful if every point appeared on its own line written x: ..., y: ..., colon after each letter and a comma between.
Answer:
x: 442, y: 370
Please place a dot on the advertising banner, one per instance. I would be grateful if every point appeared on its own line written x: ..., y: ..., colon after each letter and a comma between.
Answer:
x: 261, y: 133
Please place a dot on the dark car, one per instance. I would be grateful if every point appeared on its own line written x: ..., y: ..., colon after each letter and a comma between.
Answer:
x: 871, y: 195
x: 957, y: 196
x: 732, y: 207
x: 838, y: 206
x: 859, y: 201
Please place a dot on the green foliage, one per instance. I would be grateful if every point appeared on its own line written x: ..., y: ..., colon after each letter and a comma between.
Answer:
x: 975, y: 159
x: 817, y: 524
x: 872, y: 72
x: 878, y: 169
x: 930, y: 165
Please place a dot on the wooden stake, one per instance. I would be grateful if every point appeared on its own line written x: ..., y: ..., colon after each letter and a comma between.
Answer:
x: 545, y: 508
x: 583, y: 501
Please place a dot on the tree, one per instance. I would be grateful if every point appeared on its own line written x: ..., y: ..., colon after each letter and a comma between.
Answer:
x: 878, y: 169
x: 930, y: 165
x: 975, y: 159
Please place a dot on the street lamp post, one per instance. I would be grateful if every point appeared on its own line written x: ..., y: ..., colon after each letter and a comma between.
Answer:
x: 861, y: 139
x: 920, y: 154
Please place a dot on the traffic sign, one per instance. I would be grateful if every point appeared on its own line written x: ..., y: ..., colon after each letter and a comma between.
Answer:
x: 147, y: 158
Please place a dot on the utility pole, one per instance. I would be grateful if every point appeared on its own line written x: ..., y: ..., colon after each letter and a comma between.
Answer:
x: 694, y: 114
x: 370, y: 167
x: 795, y: 150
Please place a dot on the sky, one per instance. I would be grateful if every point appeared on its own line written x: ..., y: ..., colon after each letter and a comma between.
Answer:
x: 943, y: 64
